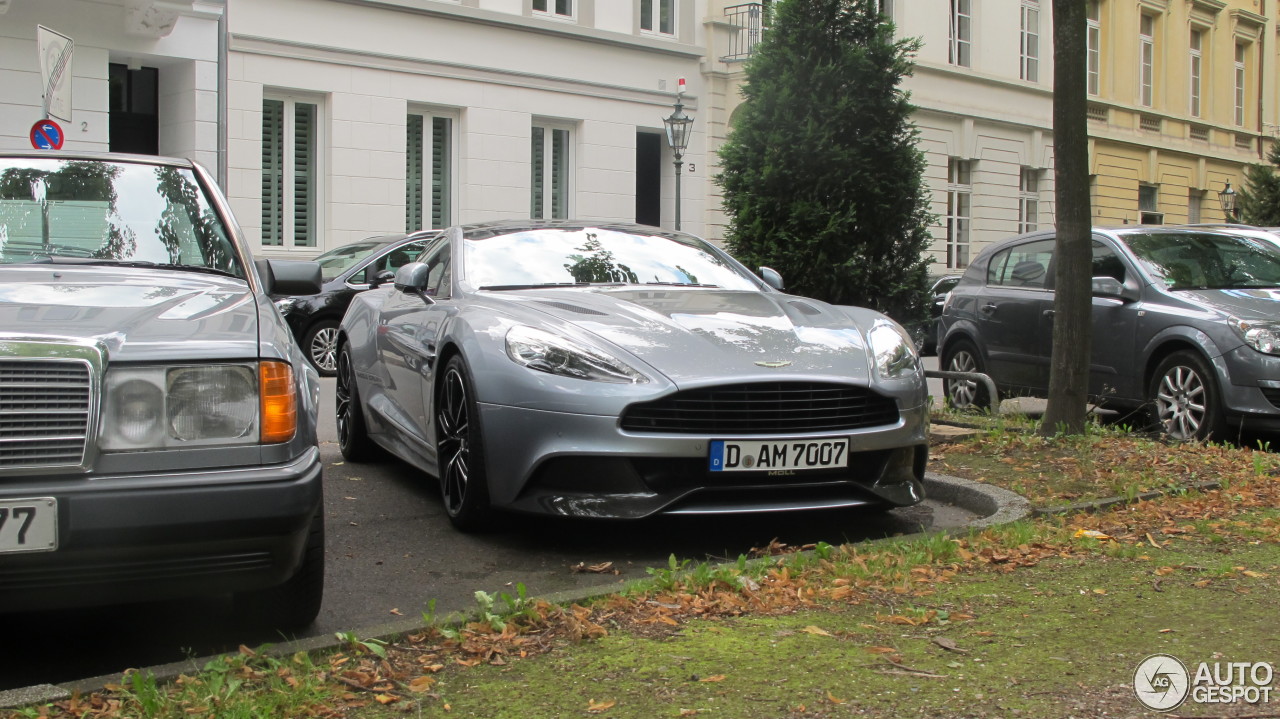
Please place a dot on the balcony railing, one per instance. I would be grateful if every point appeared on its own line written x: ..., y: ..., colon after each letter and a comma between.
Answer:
x: 748, y: 22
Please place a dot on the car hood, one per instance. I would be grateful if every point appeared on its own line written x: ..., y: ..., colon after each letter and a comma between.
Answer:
x: 1249, y: 304
x: 137, y: 314
x: 692, y: 334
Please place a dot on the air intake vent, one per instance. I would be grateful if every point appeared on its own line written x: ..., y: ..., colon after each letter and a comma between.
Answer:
x: 806, y: 309
x: 571, y: 308
x: 763, y: 408
x: 44, y: 413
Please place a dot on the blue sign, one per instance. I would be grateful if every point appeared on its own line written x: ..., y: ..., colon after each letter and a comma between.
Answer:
x: 47, y: 135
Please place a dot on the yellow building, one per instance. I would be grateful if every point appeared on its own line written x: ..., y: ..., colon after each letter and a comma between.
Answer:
x: 1181, y: 99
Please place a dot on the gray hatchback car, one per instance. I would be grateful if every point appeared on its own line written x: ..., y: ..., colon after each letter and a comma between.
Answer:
x: 1186, y: 326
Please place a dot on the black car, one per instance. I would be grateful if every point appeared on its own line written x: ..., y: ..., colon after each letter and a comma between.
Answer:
x: 346, y: 270
x: 925, y: 332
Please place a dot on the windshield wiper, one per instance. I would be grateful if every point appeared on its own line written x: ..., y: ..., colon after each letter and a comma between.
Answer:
x: 535, y: 286
x: 63, y: 260
x: 681, y: 284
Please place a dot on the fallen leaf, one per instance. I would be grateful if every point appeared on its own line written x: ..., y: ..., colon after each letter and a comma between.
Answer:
x: 1164, y: 631
x: 1255, y: 575
x: 688, y: 712
x: 949, y: 644
x: 421, y: 684
x: 1164, y: 571
x: 816, y: 631
x: 386, y: 698
x: 832, y: 698
x: 881, y: 650
x: 1099, y: 591
x: 713, y: 678
x: 397, y: 612
x: 1202, y: 583
x: 595, y: 707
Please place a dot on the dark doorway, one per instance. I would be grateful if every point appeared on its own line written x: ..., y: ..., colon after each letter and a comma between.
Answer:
x: 648, y: 178
x: 135, y: 115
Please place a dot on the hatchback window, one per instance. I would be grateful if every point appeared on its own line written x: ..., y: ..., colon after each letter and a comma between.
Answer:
x: 1106, y: 263
x: 1184, y: 261
x: 1022, y: 266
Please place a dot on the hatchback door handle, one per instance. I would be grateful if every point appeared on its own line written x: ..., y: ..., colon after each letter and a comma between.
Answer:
x: 1047, y: 314
x: 988, y: 308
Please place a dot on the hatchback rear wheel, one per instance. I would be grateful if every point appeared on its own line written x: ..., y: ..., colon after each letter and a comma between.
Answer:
x: 965, y: 394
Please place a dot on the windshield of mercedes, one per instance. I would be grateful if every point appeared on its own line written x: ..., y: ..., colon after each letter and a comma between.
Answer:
x: 530, y: 258
x: 1207, y: 261
x: 79, y: 211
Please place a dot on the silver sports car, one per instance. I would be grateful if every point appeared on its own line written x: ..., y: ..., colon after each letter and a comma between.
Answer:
x: 606, y: 370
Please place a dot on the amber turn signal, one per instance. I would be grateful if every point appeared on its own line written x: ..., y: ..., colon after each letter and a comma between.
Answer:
x: 279, y: 402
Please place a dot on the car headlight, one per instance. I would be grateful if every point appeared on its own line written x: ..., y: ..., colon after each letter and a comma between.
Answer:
x: 202, y: 405
x: 557, y: 355
x: 285, y: 305
x: 1260, y: 335
x: 892, y: 351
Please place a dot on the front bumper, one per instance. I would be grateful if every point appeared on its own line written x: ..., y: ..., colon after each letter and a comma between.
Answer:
x: 144, y: 537
x: 586, y: 466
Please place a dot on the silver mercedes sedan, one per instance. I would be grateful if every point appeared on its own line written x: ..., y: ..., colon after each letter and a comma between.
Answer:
x: 620, y: 371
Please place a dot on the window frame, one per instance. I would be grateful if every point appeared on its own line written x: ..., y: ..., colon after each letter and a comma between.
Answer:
x: 1195, y: 62
x: 548, y: 208
x: 960, y: 33
x: 1029, y: 35
x: 1028, y: 200
x: 551, y: 9
x: 1240, y: 73
x: 1146, y: 60
x: 451, y: 188
x: 959, y: 225
x: 654, y: 17
x: 1093, y: 47
x: 287, y: 187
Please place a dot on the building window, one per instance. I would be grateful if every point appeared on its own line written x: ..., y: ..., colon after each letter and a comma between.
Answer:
x: 289, y: 172
x: 961, y: 33
x: 428, y: 171
x: 1029, y: 200
x: 1030, y: 40
x: 1239, y: 93
x: 563, y: 8
x: 1194, y: 199
x: 1146, y: 60
x: 1149, y: 205
x: 658, y: 16
x: 1093, y: 46
x: 959, y: 203
x: 886, y: 8
x: 549, y: 198
x: 1197, y: 59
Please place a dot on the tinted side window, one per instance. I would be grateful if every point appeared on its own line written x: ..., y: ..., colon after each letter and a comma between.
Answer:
x: 438, y: 276
x: 1022, y: 265
x: 401, y: 256
x: 1106, y: 263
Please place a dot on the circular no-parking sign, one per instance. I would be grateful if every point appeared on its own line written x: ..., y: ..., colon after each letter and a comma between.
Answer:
x: 47, y: 135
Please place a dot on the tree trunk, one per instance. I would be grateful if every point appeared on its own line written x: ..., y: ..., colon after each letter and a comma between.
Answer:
x: 1073, y: 301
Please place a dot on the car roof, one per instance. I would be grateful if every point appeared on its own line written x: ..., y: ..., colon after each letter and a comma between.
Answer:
x: 98, y: 157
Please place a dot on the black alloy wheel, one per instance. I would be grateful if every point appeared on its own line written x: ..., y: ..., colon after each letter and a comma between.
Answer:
x: 460, y: 451
x: 353, y: 434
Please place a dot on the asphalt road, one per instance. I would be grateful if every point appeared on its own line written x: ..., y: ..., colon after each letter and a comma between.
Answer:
x: 391, y: 551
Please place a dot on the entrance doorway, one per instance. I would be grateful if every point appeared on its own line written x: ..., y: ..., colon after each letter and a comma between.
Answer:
x: 648, y: 178
x: 134, y: 109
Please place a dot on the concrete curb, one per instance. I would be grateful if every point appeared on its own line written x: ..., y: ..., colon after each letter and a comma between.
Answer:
x: 993, y: 505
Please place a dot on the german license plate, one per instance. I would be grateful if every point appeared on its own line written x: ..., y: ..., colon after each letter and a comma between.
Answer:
x: 28, y: 525
x: 779, y: 455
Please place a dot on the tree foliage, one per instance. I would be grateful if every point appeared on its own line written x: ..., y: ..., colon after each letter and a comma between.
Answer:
x: 822, y: 173
x: 1258, y: 201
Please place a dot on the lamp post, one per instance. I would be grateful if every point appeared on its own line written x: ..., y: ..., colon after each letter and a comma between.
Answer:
x: 678, y: 127
x: 1228, y: 199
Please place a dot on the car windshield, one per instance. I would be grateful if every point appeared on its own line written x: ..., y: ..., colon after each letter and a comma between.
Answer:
x: 92, y: 212
x: 1214, y: 261
x: 336, y: 261
x: 589, y: 255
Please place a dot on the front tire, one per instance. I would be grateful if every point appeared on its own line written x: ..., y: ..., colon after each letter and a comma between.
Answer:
x: 296, y: 603
x: 353, y: 433
x: 962, y: 394
x: 464, y: 483
x: 1185, y: 400
x: 321, y: 345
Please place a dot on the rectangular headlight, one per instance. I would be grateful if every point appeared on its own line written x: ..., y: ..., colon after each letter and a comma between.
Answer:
x: 183, y: 406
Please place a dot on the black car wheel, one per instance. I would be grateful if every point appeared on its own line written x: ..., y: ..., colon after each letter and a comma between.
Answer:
x: 460, y: 451
x: 294, y: 604
x: 321, y: 345
x: 1184, y: 398
x: 965, y: 394
x: 353, y: 434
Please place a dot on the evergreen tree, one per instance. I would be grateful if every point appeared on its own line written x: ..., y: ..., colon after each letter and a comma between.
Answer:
x: 822, y: 174
x: 1258, y: 201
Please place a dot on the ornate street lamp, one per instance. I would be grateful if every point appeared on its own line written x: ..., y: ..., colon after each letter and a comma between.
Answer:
x: 1228, y: 199
x: 679, y: 125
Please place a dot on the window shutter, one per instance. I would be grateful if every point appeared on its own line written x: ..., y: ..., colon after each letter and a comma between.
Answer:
x: 272, y: 172
x: 304, y: 171
x: 441, y: 168
x: 535, y: 194
x: 413, y: 174
x: 560, y: 174
x: 646, y: 14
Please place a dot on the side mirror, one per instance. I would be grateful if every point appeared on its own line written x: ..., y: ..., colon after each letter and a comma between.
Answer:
x: 413, y: 278
x: 772, y: 278
x: 289, y: 277
x: 381, y: 278
x: 1108, y: 287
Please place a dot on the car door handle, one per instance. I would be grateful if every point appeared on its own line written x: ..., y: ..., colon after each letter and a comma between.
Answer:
x: 988, y: 308
x: 1047, y: 314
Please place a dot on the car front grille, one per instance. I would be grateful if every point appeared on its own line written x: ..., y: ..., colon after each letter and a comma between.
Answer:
x: 763, y: 408
x: 44, y: 412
